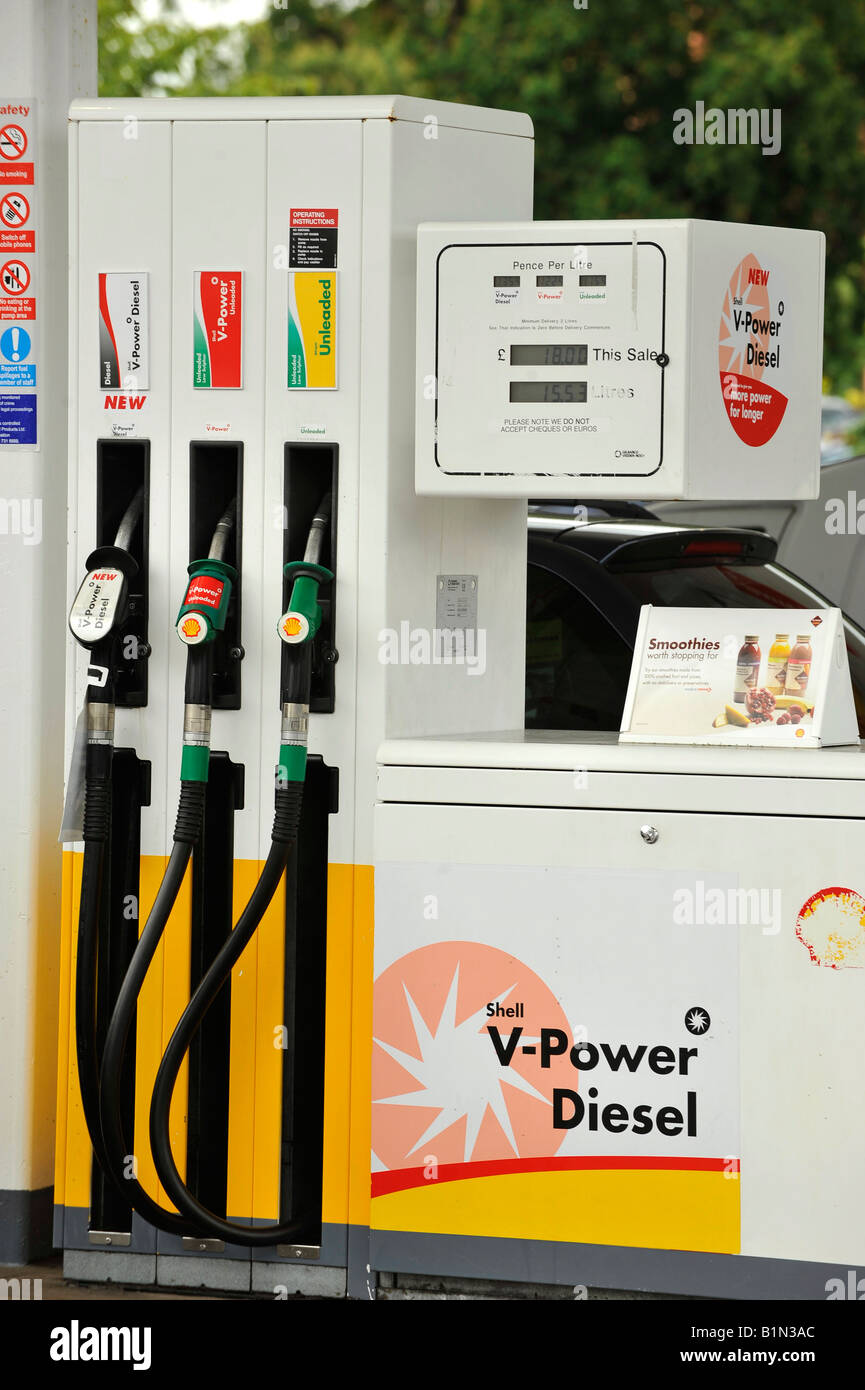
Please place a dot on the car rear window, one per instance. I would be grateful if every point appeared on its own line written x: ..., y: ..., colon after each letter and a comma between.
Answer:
x: 577, y: 666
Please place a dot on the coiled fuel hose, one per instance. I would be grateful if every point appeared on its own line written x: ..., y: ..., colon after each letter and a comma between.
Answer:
x: 297, y: 627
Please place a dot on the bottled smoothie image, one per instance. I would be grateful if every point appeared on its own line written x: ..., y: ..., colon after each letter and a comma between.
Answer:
x: 799, y: 665
x: 779, y: 655
x: 747, y: 669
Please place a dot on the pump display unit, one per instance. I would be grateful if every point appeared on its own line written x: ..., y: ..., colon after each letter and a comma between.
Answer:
x: 630, y: 358
x: 618, y: 985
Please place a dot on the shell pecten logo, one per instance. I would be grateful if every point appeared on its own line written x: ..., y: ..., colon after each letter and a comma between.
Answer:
x: 293, y: 627
x: 191, y: 629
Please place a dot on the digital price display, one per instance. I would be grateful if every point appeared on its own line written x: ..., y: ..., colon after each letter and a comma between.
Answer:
x: 549, y: 281
x: 549, y: 354
x: 591, y: 281
x: 550, y: 392
x: 506, y: 282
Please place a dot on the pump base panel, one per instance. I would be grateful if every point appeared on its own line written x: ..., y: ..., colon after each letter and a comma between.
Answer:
x: 530, y: 1263
x: 610, y: 1058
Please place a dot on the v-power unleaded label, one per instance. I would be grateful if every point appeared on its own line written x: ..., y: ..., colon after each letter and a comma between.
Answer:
x: 218, y: 329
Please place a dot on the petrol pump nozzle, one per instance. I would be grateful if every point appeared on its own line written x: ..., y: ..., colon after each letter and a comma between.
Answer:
x: 302, y: 619
x: 99, y: 608
x: 202, y: 615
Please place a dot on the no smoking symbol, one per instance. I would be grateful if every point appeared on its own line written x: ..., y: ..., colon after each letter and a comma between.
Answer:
x: 14, y: 277
x: 14, y: 210
x: 13, y: 142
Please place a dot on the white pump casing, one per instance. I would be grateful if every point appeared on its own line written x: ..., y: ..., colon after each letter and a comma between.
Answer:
x: 641, y: 359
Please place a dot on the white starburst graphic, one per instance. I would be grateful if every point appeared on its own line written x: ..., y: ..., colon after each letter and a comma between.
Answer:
x: 697, y: 1021
x: 459, y: 1071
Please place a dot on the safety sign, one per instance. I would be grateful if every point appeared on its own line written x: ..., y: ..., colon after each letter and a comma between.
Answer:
x: 15, y: 370
x: 14, y: 209
x: 312, y: 238
x: 13, y: 141
x: 217, y: 329
x: 14, y: 213
x: 18, y: 273
x: 14, y: 277
x: 17, y: 418
x: 124, y: 339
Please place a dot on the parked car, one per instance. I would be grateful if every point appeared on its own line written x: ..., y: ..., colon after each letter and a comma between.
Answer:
x: 587, y: 583
x: 819, y: 540
x: 837, y: 418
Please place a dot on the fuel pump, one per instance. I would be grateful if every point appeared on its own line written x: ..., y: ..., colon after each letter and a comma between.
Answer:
x: 279, y: 378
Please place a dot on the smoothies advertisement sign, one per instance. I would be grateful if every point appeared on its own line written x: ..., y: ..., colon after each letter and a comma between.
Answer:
x: 770, y: 676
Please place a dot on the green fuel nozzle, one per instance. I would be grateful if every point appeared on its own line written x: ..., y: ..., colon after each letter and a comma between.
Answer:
x: 302, y: 619
x: 297, y: 627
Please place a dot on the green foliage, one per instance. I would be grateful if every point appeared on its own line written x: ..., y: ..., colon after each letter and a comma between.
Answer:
x: 601, y: 84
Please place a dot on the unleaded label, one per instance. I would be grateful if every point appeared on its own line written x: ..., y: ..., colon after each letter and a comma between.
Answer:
x: 311, y: 330
x: 218, y: 329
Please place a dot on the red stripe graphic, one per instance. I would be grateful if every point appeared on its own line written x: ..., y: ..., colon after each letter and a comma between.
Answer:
x: 106, y: 319
x: 401, y: 1179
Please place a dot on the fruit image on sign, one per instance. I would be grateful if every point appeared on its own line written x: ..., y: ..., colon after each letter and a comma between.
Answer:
x: 751, y: 352
x: 217, y: 329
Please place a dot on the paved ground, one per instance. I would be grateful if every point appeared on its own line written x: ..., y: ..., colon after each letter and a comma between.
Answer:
x: 55, y: 1287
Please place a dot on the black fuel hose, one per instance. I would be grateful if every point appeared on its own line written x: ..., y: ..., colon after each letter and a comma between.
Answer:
x: 96, y: 834
x: 107, y: 1132
x: 283, y: 838
x: 190, y: 818
x: 97, y: 820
